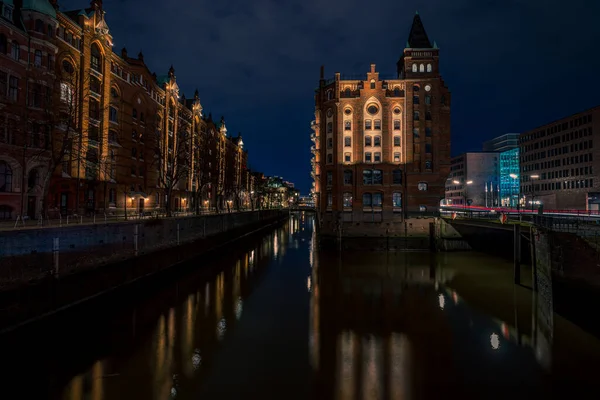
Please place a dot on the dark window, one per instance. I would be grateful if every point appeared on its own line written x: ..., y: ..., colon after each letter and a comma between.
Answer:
x: 377, y: 177
x: 367, y: 177
x: 377, y: 199
x: 416, y: 115
x: 347, y: 157
x: 15, y: 50
x: 330, y: 158
x: 96, y: 58
x: 428, y: 164
x: 329, y: 178
x: 377, y: 141
x: 372, y: 85
x: 377, y: 157
x: 415, y: 99
x: 416, y: 133
x: 95, y: 85
x: 397, y: 177
x: 133, y: 152
x: 67, y: 67
x: 347, y: 125
x: 348, y: 177
x: 33, y: 179
x: 396, y: 124
x: 368, y: 124
x: 397, y: 199
x: 134, y: 115
x: 428, y: 116
x: 415, y: 88
x: 428, y: 132
x: 427, y: 99
x: 427, y: 148
x: 50, y: 30
x: 397, y: 141
x: 368, y: 141
x: 3, y: 43
x: 378, y: 124
x: 367, y: 200
x: 347, y: 141
x: 329, y: 127
x: 368, y: 157
x: 113, y: 115
x: 37, y: 58
x: 5, y: 177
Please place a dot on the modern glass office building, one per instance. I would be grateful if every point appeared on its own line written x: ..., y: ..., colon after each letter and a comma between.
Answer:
x: 509, y: 177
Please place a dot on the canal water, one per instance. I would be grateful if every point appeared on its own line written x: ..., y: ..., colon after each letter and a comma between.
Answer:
x: 277, y: 317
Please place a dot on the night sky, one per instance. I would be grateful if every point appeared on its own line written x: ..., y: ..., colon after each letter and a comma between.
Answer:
x: 511, y: 65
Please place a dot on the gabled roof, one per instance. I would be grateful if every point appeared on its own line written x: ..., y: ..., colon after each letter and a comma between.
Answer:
x: 417, y: 38
x: 73, y: 15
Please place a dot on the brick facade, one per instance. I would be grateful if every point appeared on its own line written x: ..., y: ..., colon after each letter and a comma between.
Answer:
x: 113, y: 135
x: 382, y: 146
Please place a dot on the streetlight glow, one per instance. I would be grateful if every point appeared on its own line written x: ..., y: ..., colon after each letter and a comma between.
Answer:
x: 456, y: 182
x: 514, y: 176
x: 469, y: 182
x: 534, y: 176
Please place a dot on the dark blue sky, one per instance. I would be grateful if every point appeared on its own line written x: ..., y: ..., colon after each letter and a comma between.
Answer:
x: 511, y: 64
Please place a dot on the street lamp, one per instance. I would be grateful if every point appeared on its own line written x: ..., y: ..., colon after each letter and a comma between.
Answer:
x: 464, y: 193
x: 515, y: 176
x: 533, y: 177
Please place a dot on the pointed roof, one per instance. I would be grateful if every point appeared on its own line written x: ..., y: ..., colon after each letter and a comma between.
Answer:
x: 417, y: 38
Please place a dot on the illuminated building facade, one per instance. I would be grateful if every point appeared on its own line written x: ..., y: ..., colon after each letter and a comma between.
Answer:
x: 84, y: 129
x: 509, y: 178
x: 382, y: 144
x: 558, y: 161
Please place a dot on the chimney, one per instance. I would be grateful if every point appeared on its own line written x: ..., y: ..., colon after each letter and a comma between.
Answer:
x: 124, y: 53
x: 322, y: 72
x: 372, y: 68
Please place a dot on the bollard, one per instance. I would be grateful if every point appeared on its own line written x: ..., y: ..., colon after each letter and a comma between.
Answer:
x: 517, y: 253
x: 136, y: 231
x: 177, y: 234
x: 55, y: 247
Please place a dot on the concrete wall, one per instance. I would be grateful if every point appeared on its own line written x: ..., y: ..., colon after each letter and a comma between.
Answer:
x: 28, y: 253
x: 447, y: 238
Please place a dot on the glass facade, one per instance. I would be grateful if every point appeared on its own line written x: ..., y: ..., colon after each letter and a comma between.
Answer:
x: 509, y: 177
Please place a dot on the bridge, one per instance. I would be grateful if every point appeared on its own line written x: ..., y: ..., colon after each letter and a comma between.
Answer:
x: 303, y: 207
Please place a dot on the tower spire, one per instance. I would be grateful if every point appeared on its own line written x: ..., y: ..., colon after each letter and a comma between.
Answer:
x: 417, y: 38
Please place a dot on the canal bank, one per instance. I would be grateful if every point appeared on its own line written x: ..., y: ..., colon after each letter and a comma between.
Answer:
x: 28, y: 300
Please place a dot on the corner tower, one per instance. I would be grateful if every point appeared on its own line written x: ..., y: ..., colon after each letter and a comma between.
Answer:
x: 420, y: 56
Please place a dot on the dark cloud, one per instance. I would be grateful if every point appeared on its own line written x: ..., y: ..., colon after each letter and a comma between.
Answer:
x: 510, y: 64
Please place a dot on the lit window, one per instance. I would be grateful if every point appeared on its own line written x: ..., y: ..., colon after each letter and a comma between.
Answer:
x: 429, y: 69
x: 347, y: 199
x: 112, y: 114
x: 414, y: 68
x: 377, y: 199
x: 396, y: 157
x: 422, y: 186
x: 421, y: 68
x: 368, y: 124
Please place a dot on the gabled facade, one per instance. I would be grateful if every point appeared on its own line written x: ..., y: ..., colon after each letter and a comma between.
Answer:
x: 382, y: 144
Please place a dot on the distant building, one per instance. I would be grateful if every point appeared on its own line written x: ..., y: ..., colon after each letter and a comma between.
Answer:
x: 502, y: 143
x: 558, y: 161
x: 473, y: 180
x: 382, y: 144
x: 509, y: 178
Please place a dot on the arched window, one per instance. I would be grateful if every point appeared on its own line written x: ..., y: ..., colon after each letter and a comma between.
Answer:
x: 134, y: 115
x: 67, y: 67
x: 348, y: 177
x: 414, y: 68
x: 6, y: 175
x: 348, y: 200
x: 113, y: 115
x: 429, y: 69
x: 329, y: 158
x: 421, y: 68
x: 37, y: 58
x: 396, y: 92
x: 397, y: 177
x: 377, y: 141
x: 3, y: 43
x: 347, y: 141
x: 96, y: 59
x: 368, y: 141
x: 114, y: 93
x: 33, y: 179
x: 329, y: 95
x: 348, y: 125
x: 329, y: 127
x: 15, y: 50
x: 416, y: 88
x: 347, y: 92
x: 39, y: 26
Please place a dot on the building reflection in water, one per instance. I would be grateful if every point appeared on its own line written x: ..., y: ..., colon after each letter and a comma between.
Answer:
x: 194, y: 327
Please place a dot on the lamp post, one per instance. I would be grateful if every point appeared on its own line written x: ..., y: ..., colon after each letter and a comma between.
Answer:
x: 533, y: 178
x: 516, y: 177
x: 464, y: 193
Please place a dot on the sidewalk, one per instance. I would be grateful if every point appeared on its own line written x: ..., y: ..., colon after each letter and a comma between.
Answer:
x: 100, y: 219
